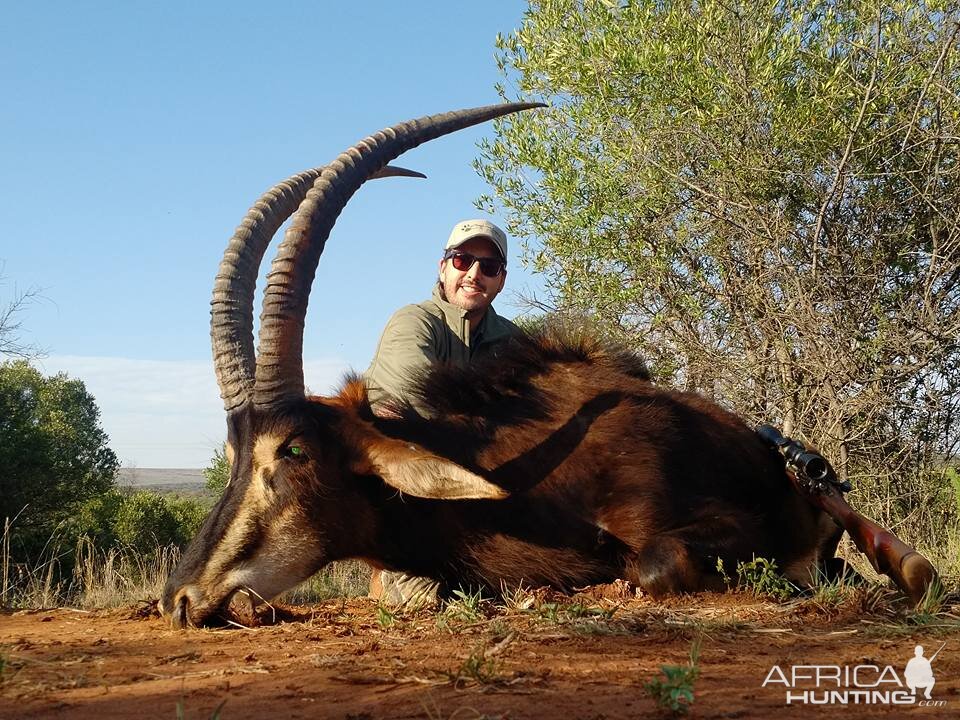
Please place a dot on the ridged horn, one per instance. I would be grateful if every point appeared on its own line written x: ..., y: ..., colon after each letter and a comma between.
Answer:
x: 231, y: 312
x: 279, y: 372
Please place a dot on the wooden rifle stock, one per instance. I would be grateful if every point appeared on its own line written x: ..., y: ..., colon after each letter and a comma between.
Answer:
x: 888, y: 555
x: 814, y: 478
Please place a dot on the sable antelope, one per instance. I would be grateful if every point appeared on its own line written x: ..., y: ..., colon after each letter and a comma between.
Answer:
x: 557, y: 462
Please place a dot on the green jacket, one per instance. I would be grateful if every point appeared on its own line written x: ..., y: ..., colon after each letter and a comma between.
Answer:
x: 418, y: 336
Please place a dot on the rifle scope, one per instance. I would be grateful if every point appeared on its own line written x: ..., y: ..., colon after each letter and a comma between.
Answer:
x: 811, y: 464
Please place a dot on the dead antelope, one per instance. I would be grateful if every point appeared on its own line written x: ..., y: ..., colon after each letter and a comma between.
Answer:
x: 557, y: 462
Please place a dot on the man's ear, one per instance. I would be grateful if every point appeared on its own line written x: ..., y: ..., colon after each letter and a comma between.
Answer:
x: 414, y: 470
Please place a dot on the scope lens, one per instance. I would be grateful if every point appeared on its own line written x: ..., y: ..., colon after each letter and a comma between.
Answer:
x: 814, y: 466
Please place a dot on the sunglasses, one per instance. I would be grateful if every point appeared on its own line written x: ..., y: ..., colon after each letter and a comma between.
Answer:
x: 463, y: 261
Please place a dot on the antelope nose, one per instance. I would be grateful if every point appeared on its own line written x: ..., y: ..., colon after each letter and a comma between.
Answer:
x: 179, y: 608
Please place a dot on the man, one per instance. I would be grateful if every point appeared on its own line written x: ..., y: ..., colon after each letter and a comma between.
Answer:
x: 456, y: 326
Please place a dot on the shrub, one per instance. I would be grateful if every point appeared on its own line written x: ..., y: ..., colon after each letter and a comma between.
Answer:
x: 189, y: 515
x: 145, y: 520
x: 217, y: 473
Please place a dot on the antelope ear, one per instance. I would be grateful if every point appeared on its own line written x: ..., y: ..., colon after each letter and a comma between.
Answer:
x: 415, y: 471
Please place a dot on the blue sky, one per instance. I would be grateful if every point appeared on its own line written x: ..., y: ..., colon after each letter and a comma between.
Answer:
x: 134, y: 137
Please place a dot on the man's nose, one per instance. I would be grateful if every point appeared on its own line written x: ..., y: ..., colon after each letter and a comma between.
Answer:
x: 473, y: 272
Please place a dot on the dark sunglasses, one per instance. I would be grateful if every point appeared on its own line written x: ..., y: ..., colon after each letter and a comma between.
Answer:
x: 463, y: 261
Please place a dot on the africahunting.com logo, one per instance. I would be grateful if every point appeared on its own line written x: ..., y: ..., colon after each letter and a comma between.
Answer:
x: 864, y: 684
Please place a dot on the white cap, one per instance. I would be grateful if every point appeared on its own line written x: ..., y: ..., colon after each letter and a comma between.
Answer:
x: 469, y: 229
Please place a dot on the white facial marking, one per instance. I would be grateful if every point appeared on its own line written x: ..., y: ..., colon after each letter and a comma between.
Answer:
x: 265, y: 459
x: 256, y: 500
x: 230, y: 453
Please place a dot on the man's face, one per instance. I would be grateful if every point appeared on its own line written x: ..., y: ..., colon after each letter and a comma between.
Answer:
x: 470, y: 289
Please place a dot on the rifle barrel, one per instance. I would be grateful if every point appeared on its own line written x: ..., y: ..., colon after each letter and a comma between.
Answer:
x: 933, y: 657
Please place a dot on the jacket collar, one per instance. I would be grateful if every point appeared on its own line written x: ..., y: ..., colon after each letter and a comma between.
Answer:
x: 489, y: 327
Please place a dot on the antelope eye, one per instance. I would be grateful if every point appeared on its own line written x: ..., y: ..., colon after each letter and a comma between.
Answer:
x: 295, y: 451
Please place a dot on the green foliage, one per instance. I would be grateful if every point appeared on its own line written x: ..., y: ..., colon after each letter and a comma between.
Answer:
x: 385, y: 616
x: 188, y: 514
x: 572, y: 612
x: 953, y: 475
x: 763, y: 200
x: 577, y: 616
x: 145, y: 520
x: 931, y: 605
x: 722, y: 571
x: 465, y: 606
x: 760, y: 576
x: 832, y: 592
x: 53, y: 452
x: 141, y: 520
x: 96, y: 518
x: 217, y: 473
x: 674, y: 691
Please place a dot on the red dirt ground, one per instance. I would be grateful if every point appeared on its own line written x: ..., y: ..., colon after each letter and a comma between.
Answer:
x: 585, y: 658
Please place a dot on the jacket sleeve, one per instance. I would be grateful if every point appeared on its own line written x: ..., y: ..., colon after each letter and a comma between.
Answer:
x: 409, y: 344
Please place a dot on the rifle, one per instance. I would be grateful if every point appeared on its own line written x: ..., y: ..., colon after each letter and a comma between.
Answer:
x: 814, y: 478
x: 934, y: 656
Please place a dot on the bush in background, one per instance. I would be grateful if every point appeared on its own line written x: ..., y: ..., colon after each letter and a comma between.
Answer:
x: 217, y: 473
x: 118, y: 548
x: 144, y: 520
x: 53, y: 452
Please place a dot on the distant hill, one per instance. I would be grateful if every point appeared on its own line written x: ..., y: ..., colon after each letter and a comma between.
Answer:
x: 164, y: 479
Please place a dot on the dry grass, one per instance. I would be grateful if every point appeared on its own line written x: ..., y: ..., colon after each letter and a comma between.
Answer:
x: 110, y: 578
x: 120, y: 576
x: 36, y: 585
x: 87, y: 577
x: 348, y: 578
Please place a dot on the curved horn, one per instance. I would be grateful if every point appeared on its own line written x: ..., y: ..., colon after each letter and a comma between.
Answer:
x: 231, y: 312
x: 279, y: 372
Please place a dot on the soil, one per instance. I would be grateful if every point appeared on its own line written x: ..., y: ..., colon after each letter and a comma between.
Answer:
x: 545, y: 656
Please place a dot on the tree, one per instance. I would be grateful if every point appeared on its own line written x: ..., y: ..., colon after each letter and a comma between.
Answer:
x: 763, y: 199
x: 217, y: 473
x: 53, y: 451
x: 11, y: 345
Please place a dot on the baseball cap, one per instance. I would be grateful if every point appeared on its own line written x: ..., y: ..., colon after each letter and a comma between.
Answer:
x: 468, y: 229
